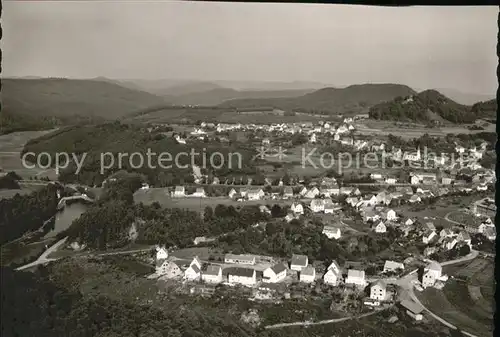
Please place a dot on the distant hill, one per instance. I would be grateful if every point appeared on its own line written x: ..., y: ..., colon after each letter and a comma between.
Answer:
x: 428, y: 106
x: 219, y: 95
x: 486, y: 109
x: 33, y: 104
x: 352, y: 99
x: 461, y: 97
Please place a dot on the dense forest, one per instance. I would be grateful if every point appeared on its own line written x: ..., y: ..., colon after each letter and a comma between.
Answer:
x: 429, y: 106
x: 9, y: 181
x: 114, y: 138
x: 23, y: 213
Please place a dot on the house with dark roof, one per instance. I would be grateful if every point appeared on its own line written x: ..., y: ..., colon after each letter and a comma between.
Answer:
x: 299, y: 262
x: 275, y: 273
x: 213, y: 274
x: 245, y: 276
x: 412, y: 309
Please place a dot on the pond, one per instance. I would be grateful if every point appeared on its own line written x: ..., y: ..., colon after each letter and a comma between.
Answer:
x: 64, y: 218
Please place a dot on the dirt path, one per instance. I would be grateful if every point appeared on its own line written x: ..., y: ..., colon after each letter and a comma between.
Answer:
x: 326, y: 321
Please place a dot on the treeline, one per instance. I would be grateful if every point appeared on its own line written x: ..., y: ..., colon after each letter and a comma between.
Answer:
x: 23, y: 213
x: 9, y: 181
x: 116, y: 138
x: 427, y: 106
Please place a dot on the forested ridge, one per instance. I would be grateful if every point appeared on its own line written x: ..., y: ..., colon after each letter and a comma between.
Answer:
x: 431, y: 106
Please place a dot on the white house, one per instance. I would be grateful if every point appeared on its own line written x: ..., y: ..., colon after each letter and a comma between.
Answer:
x: 391, y: 266
x: 239, y: 259
x: 449, y: 243
x: 179, y: 191
x: 391, y: 215
x: 297, y: 208
x: 312, y: 139
x: 312, y: 193
x: 275, y: 273
x: 193, y: 273
x: 356, y: 277
x: 428, y: 236
x: 255, y: 194
x: 378, y: 291
x: 303, y: 191
x: 380, y: 228
x: 332, y: 275
x: 431, y: 273
x: 299, y: 262
x: 161, y: 253
x: 307, y: 274
x: 170, y: 269
x: 244, y: 276
x: 213, y: 274
x: 199, y: 193
x: 264, y: 209
x: 464, y: 237
x: 332, y: 232
x: 232, y: 193
x: 317, y: 205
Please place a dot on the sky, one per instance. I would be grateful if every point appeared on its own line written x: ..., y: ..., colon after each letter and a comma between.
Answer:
x: 423, y: 47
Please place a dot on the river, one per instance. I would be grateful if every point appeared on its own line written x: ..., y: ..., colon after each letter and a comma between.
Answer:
x: 64, y: 218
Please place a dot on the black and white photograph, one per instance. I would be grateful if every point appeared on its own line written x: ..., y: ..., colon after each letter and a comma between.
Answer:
x: 230, y: 169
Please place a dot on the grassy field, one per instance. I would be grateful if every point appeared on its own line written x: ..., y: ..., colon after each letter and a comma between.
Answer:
x: 460, y: 302
x: 438, y: 211
x: 10, y: 147
x: 377, y: 127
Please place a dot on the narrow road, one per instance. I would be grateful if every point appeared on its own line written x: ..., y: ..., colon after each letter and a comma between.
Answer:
x: 44, y: 257
x: 326, y: 321
x: 443, y: 321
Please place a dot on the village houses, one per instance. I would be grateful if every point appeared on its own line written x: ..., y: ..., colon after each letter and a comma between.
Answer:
x: 213, y: 274
x: 307, y: 274
x: 332, y: 275
x: 356, y: 277
x: 392, y: 266
x: 275, y: 274
x: 239, y: 259
x: 332, y: 232
x: 245, y: 276
x: 378, y: 291
x: 297, y: 208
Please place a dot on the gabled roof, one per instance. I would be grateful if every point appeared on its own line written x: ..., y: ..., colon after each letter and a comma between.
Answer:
x: 212, y: 270
x: 356, y: 273
x: 379, y: 283
x: 434, y: 266
x: 309, y: 271
x: 299, y: 260
x: 244, y: 272
x: 240, y: 257
x: 160, y: 262
x: 278, y: 268
x: 393, y: 265
x: 333, y: 265
x: 195, y: 268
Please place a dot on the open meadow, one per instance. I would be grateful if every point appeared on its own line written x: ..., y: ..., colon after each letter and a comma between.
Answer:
x: 467, y: 299
x: 412, y: 130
